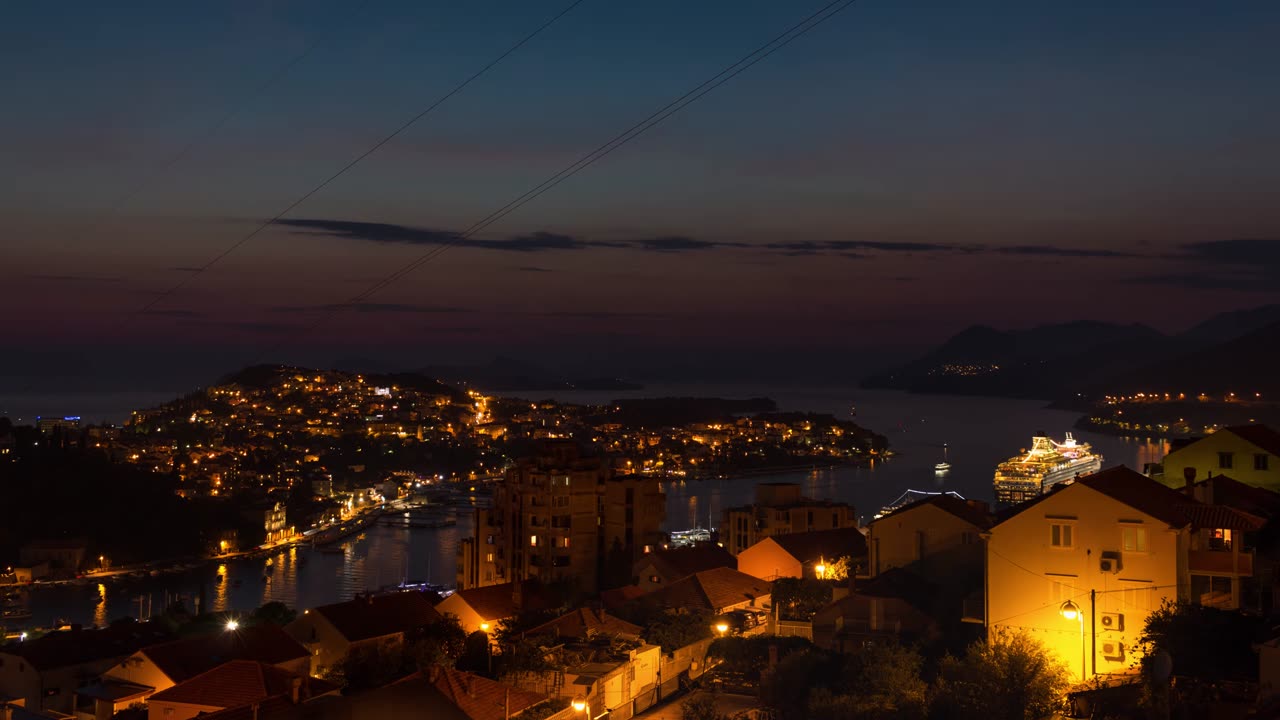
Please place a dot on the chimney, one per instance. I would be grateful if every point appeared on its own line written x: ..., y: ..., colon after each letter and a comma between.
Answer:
x: 1189, y: 475
x: 295, y: 690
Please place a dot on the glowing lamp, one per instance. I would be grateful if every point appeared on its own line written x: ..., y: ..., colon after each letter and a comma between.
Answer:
x: 722, y: 628
x: 233, y: 625
x: 1070, y: 610
x: 579, y: 705
x: 484, y: 627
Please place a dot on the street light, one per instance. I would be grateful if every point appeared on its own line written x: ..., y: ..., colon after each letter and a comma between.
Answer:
x: 488, y: 646
x: 233, y: 625
x: 580, y: 705
x: 1070, y: 611
x: 722, y: 628
x: 821, y: 569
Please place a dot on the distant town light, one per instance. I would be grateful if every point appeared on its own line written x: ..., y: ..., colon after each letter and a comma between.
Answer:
x: 232, y: 625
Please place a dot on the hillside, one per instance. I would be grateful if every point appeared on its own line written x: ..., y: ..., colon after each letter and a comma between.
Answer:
x: 1055, y: 362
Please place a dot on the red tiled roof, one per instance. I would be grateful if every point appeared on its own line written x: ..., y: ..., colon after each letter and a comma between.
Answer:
x: 75, y: 647
x: 492, y: 602
x: 583, y: 623
x: 478, y: 697
x: 618, y: 597
x: 677, y: 563
x: 1153, y: 498
x: 1223, y: 490
x: 241, y: 682
x: 1259, y: 435
x: 379, y: 615
x: 712, y: 590
x: 184, y: 659
x: 808, y: 547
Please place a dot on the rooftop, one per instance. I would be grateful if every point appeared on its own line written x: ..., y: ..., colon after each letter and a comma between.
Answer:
x: 241, y: 682
x: 681, y: 562
x: 1260, y: 435
x: 712, y: 590
x: 973, y: 513
x: 75, y: 647
x: 184, y: 659
x: 811, y: 546
x: 584, y: 623
x: 379, y: 615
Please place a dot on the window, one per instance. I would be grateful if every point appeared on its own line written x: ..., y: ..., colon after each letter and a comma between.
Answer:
x: 1133, y: 539
x: 1220, y: 539
x: 1061, y: 589
x: 655, y: 579
x: 488, y: 557
x: 835, y: 520
x: 488, y: 540
x: 1060, y: 535
x: 1260, y: 462
x: 533, y: 541
x: 563, y: 542
x: 810, y: 518
x: 1224, y: 460
x: 1137, y: 599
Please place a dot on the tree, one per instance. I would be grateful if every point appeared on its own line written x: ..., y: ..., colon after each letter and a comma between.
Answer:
x: 674, y: 630
x: 749, y: 656
x: 440, y: 643
x: 787, y: 687
x: 366, y: 668
x: 883, y: 682
x: 700, y: 707
x: 274, y: 613
x: 800, y: 598
x: 1204, y: 642
x: 838, y: 570
x: 1010, y: 677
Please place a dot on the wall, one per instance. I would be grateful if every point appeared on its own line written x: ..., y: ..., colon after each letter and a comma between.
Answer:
x: 1203, y: 456
x: 316, y: 633
x: 905, y: 537
x: 138, y: 668
x: 469, y: 618
x: 18, y: 679
x: 1028, y: 579
x: 768, y: 561
x: 156, y: 710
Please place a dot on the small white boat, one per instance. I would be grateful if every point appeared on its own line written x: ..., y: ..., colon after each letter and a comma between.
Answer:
x: 943, y: 467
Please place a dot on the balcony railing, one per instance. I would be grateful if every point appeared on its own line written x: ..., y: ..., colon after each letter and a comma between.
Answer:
x: 1216, y: 561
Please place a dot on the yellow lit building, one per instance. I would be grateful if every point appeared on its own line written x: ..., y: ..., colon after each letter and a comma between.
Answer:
x: 1082, y: 567
x: 1248, y: 453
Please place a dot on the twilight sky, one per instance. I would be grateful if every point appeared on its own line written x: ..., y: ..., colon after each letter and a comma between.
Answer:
x: 903, y: 171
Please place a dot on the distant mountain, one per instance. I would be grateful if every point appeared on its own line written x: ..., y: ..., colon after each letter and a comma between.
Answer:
x: 509, y: 375
x: 1056, y: 362
x: 1231, y: 325
x: 1024, y: 363
x: 265, y: 376
x: 1243, y: 365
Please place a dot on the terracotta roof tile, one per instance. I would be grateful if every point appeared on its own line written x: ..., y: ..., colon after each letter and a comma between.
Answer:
x: 478, y: 697
x: 241, y: 682
x: 963, y: 509
x: 677, y: 563
x: 712, y: 590
x: 585, y: 623
x: 380, y: 615
x: 184, y: 659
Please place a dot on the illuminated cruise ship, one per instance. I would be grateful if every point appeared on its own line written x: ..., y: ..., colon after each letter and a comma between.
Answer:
x: 1046, y: 464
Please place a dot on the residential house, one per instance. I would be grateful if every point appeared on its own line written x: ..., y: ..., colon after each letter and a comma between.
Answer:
x: 718, y: 592
x: 1248, y: 453
x: 660, y: 568
x: 896, y: 604
x: 619, y: 687
x: 481, y: 608
x: 159, y: 667
x: 943, y: 532
x: 67, y: 555
x: 329, y: 632
x: 780, y: 509
x: 235, y: 684
x: 805, y: 554
x: 44, y: 672
x: 1082, y: 566
x: 586, y: 624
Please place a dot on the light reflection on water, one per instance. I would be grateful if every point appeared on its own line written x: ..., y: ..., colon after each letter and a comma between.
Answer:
x: 979, y: 432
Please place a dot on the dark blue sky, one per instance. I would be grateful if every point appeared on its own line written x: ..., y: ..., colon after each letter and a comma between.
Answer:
x: 905, y: 170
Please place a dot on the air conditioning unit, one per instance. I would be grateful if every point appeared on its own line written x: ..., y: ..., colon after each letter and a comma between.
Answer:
x: 1112, y: 621
x: 1110, y: 563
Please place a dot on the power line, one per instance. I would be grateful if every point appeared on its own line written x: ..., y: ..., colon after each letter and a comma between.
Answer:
x: 378, y: 145
x: 693, y: 95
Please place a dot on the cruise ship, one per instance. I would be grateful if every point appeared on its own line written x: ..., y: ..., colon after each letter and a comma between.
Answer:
x: 1046, y: 464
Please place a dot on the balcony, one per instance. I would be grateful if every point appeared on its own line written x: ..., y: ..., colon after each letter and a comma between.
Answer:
x: 1220, y: 562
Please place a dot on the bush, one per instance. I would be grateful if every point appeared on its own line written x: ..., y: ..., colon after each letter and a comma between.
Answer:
x: 1009, y: 677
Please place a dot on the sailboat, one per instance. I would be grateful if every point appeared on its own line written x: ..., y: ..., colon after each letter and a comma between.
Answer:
x: 943, y: 467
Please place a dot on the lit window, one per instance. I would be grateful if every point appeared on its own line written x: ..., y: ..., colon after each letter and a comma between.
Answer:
x: 1134, y: 539
x: 1220, y: 539
x: 488, y: 557
x: 1224, y: 460
x: 533, y: 541
x: 1060, y: 535
x: 564, y: 542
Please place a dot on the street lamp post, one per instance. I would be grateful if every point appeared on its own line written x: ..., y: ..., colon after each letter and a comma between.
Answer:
x: 1071, y: 611
x: 580, y: 705
x: 488, y: 650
